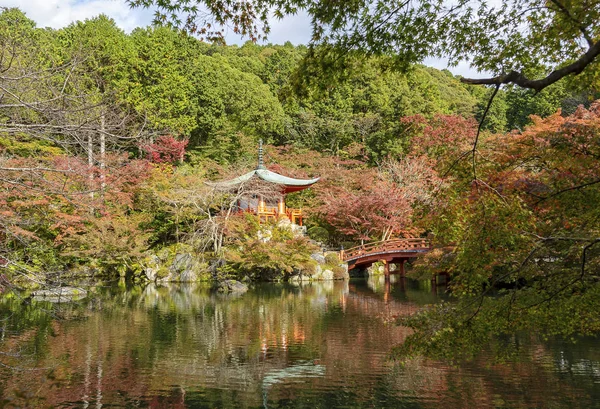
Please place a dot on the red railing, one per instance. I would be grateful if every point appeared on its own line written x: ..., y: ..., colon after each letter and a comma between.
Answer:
x: 272, y: 213
x: 386, y: 246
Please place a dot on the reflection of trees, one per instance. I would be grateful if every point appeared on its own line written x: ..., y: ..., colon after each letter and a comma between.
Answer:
x: 183, y: 346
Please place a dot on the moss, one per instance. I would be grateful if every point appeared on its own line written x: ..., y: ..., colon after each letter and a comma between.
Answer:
x: 338, y: 272
x: 163, y: 271
x: 22, y: 146
x: 310, y: 268
x: 332, y: 258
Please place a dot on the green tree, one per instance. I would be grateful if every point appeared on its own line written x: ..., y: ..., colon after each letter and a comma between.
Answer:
x: 513, y: 40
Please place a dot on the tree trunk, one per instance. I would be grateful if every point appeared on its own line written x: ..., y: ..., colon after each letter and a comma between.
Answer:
x: 90, y: 153
x: 102, y: 152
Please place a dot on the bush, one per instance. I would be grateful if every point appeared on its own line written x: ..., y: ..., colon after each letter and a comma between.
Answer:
x: 332, y: 259
x: 318, y: 233
x: 338, y: 272
x: 267, y: 252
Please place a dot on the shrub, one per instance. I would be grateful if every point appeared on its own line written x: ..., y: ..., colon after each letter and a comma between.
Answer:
x: 319, y: 234
x: 332, y: 259
x: 338, y: 272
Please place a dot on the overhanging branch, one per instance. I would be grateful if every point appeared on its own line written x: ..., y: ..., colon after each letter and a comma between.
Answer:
x: 521, y: 80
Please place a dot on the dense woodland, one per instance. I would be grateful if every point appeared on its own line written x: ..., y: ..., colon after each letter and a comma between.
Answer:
x: 107, y: 138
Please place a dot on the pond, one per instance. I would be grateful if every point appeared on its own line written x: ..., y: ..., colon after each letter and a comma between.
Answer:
x: 317, y: 345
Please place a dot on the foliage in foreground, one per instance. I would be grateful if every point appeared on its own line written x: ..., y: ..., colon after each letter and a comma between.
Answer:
x: 529, y: 223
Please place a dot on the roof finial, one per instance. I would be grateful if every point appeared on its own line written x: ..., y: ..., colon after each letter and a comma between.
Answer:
x: 261, y: 165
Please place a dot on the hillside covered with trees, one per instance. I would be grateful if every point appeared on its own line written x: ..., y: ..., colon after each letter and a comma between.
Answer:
x: 107, y: 140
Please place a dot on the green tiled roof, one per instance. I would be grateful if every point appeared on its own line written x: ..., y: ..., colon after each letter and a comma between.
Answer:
x: 267, y: 176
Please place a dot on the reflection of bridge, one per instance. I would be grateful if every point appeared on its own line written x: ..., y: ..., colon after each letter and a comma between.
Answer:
x: 395, y: 251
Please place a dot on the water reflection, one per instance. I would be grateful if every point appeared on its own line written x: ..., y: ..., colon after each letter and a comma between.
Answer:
x: 310, y: 345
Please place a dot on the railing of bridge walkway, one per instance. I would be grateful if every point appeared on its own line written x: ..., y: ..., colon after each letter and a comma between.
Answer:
x: 385, y: 246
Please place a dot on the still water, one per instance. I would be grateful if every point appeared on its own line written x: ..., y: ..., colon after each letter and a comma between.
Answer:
x: 319, y: 345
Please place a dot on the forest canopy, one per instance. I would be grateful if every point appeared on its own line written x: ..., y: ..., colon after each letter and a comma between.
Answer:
x: 527, y: 43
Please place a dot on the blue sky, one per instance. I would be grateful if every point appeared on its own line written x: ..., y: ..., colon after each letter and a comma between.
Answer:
x: 60, y: 13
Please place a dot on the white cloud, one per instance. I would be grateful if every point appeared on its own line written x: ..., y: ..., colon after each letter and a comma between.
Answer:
x: 61, y: 13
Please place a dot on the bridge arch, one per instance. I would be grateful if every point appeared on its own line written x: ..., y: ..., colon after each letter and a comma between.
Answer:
x: 395, y: 251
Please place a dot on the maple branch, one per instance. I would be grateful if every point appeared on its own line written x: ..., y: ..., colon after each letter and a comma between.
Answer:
x: 583, y: 185
x: 487, y: 109
x: 521, y: 80
x: 583, y: 256
x: 580, y: 26
x: 36, y: 169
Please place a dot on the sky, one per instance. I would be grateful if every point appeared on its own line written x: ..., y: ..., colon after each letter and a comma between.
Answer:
x: 61, y: 13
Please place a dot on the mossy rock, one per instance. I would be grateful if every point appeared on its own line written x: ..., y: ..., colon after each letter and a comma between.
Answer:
x: 332, y: 258
x: 176, y: 263
x: 339, y: 273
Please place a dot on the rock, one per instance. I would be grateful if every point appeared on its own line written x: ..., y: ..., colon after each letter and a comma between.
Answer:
x: 284, y: 222
x: 232, y: 286
x: 375, y: 270
x: 181, y: 262
x: 318, y: 273
x: 327, y: 275
x: 298, y: 278
x: 340, y: 272
x: 175, y: 263
x: 153, y: 265
x: 318, y: 257
x: 60, y: 294
x: 264, y: 235
x: 185, y: 268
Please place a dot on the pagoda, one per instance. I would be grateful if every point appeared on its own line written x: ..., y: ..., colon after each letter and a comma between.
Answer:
x: 268, y: 208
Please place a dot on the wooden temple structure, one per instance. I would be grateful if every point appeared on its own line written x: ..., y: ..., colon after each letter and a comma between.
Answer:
x: 269, y: 208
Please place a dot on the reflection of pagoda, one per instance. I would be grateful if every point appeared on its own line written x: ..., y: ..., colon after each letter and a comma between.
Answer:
x: 269, y: 207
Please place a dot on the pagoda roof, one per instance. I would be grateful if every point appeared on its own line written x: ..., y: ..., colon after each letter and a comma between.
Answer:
x: 291, y: 184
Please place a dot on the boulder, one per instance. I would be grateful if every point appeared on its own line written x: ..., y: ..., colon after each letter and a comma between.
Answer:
x: 175, y: 264
x: 232, y: 287
x: 318, y: 257
x: 298, y: 278
x: 375, y: 269
x: 60, y: 294
x: 318, y: 272
x: 327, y: 275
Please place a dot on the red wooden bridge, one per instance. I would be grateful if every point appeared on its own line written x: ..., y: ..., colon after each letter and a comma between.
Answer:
x: 394, y: 251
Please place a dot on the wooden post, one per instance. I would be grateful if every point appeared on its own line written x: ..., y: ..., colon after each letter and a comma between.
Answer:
x: 387, y: 289
x: 402, y: 272
x: 386, y: 269
x: 281, y: 206
x: 402, y: 284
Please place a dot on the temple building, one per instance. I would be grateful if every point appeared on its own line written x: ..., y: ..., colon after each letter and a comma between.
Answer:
x: 268, y: 208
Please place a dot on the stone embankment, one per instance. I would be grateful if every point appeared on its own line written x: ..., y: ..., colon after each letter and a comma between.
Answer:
x: 327, y: 267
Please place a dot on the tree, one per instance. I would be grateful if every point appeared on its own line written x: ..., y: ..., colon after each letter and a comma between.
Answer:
x: 384, y: 203
x: 530, y: 225
x: 511, y: 40
x: 60, y: 104
x: 166, y: 149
